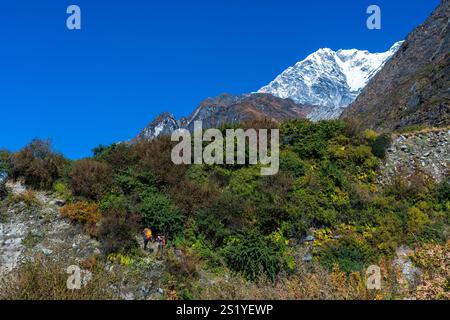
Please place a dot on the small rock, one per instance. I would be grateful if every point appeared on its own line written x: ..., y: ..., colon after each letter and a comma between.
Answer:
x: 307, y: 257
x: 60, y: 202
x: 128, y: 296
x: 47, y: 251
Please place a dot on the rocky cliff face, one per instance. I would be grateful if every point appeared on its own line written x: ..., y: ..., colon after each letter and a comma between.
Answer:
x: 414, y: 85
x: 229, y: 109
x: 164, y: 124
x: 39, y: 229
x: 426, y: 152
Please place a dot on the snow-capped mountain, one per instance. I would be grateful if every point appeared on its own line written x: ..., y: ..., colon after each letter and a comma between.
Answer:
x: 319, y: 87
x: 330, y: 79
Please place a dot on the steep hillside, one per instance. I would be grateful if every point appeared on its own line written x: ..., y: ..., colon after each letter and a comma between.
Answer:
x: 232, y: 233
x: 414, y: 86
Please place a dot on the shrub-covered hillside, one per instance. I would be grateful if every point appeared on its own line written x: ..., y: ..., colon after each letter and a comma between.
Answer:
x: 308, y: 232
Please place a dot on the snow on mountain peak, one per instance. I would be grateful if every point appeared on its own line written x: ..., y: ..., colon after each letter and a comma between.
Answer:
x: 327, y: 78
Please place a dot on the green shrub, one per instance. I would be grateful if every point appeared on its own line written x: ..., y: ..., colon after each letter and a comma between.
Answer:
x: 212, y: 227
x: 380, y: 145
x: 290, y: 162
x: 113, y: 202
x: 370, y: 135
x: 348, y: 253
x: 133, y: 180
x: 62, y: 190
x: 309, y: 139
x: 159, y: 213
x: 417, y: 221
x: 443, y: 192
x: 32, y: 239
x: 252, y: 254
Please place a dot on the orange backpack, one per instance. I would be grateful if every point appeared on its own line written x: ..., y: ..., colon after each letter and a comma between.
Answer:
x: 147, y: 234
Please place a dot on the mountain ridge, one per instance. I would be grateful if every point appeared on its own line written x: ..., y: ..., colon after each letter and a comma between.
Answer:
x: 227, y: 109
x: 413, y: 88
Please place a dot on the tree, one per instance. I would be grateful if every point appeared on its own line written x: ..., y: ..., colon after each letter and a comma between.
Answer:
x: 37, y: 164
x: 91, y: 179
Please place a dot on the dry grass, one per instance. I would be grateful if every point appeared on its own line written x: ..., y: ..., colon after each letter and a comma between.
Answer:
x: 309, y: 283
x: 46, y: 279
x: 28, y: 197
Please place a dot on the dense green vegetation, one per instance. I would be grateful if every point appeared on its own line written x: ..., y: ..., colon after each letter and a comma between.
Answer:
x: 232, y: 218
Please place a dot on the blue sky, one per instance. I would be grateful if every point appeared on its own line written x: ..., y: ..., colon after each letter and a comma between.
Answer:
x: 136, y: 58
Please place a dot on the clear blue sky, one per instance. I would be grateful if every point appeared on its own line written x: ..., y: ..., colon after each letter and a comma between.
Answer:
x: 136, y: 58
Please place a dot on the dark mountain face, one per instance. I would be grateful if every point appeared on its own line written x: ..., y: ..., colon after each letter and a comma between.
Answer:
x: 235, y: 109
x: 228, y: 109
x: 414, y: 86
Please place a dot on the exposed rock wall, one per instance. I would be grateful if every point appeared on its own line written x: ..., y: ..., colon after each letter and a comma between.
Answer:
x: 25, y: 231
x: 426, y: 151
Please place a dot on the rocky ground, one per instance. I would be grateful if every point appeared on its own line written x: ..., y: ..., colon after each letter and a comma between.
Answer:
x: 426, y: 151
x: 27, y: 230
x: 38, y: 228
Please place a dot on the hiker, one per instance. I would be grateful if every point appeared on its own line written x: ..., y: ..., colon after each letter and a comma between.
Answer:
x: 162, y: 243
x: 147, y: 237
x: 172, y: 294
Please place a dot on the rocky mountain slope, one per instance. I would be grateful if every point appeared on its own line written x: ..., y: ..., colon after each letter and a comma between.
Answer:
x: 228, y: 109
x: 330, y: 79
x: 425, y: 152
x: 414, y: 86
x: 28, y: 229
x: 235, y: 109
x: 34, y: 228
